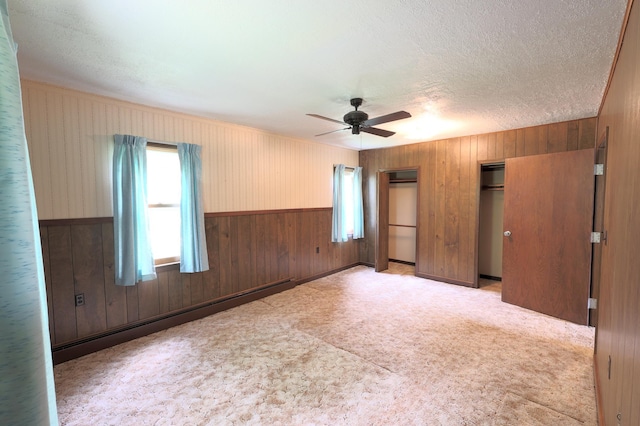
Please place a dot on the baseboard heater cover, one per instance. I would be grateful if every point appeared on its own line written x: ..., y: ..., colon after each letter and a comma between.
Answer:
x: 114, y: 337
x: 81, y: 347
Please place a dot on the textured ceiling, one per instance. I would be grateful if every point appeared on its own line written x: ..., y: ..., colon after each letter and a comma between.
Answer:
x: 459, y: 67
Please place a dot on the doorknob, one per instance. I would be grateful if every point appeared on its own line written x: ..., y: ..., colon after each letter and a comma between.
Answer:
x: 507, y: 233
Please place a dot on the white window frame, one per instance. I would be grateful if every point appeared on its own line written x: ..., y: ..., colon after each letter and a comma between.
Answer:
x: 172, y: 259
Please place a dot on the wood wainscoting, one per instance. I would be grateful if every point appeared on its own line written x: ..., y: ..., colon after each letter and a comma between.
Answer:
x: 251, y: 255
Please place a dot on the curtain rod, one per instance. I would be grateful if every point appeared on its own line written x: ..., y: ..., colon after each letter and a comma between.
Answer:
x: 152, y: 141
x: 346, y: 167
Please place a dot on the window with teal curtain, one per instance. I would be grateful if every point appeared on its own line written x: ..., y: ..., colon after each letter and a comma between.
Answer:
x: 339, y: 217
x: 348, y: 217
x: 133, y: 256
x: 358, y: 210
x: 193, y: 246
x: 338, y: 227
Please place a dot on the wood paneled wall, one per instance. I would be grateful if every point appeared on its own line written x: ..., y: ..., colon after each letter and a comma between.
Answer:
x: 246, y: 251
x: 70, y: 137
x: 618, y: 332
x: 449, y: 191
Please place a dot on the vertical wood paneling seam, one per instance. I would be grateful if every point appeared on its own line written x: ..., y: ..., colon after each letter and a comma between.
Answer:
x: 68, y: 169
x: 95, y: 180
x: 104, y: 280
x: 73, y: 276
x: 49, y: 148
x: 459, y: 207
x: 83, y: 154
x: 444, y: 201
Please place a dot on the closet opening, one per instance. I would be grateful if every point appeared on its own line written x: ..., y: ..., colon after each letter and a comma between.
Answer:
x: 397, y: 227
x: 403, y: 208
x: 490, y: 232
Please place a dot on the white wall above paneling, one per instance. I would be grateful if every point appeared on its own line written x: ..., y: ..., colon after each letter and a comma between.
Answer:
x: 70, y: 136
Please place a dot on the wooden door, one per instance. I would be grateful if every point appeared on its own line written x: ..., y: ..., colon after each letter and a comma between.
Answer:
x: 382, y: 230
x: 548, y: 210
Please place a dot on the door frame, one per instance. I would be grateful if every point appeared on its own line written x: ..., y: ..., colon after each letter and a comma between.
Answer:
x: 599, y: 193
x: 481, y: 163
x: 382, y: 229
x: 382, y: 222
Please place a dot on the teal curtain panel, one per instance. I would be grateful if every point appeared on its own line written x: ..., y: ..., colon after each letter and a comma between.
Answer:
x: 27, y: 393
x: 133, y: 256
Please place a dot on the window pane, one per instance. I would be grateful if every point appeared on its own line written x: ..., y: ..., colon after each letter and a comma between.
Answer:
x: 164, y: 224
x: 163, y: 187
x: 163, y: 176
x: 348, y: 200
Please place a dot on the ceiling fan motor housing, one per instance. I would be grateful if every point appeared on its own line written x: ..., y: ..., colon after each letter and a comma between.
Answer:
x: 355, y: 119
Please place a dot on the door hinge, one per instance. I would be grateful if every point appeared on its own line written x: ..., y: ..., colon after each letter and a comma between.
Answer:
x: 595, y: 237
x: 598, y: 169
x: 592, y: 303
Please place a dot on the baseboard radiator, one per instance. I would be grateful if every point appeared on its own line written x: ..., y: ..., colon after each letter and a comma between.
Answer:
x: 85, y: 346
x: 133, y: 331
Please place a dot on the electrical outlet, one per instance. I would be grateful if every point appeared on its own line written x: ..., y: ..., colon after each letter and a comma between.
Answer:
x: 79, y: 299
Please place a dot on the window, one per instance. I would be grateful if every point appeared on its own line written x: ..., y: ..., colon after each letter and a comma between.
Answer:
x: 348, y: 200
x: 347, y: 216
x: 163, y: 192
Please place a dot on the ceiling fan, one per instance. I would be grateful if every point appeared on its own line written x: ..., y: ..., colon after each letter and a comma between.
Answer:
x: 358, y: 121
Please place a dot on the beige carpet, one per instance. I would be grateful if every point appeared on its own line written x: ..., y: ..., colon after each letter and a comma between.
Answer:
x: 355, y: 348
